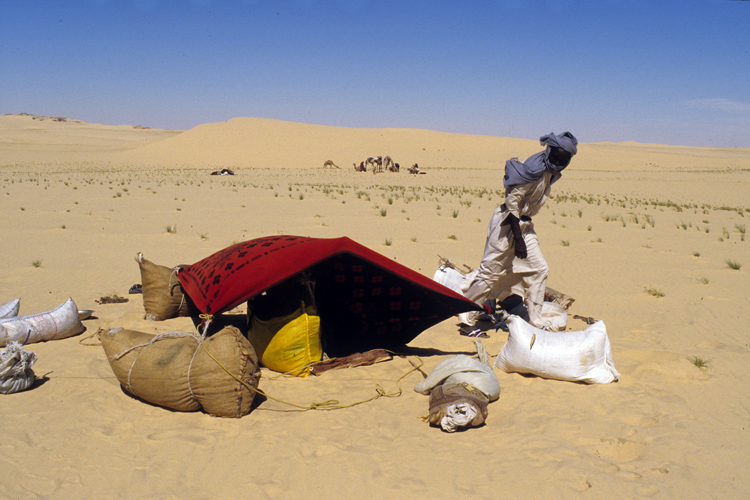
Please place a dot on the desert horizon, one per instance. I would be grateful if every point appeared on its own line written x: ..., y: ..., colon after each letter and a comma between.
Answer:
x: 648, y: 238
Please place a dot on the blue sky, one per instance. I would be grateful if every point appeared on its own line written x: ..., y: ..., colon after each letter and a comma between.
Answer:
x: 659, y: 71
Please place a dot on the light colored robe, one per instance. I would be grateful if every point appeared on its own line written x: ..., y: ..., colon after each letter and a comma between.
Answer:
x: 501, y: 273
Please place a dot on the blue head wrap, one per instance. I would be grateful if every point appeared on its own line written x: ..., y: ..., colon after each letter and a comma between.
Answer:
x: 533, y: 168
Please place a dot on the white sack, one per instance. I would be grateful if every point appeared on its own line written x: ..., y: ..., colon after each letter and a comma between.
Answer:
x: 554, y: 316
x: 449, y: 277
x: 10, y: 309
x: 584, y: 356
x: 58, y: 323
x: 15, y: 369
x: 462, y: 369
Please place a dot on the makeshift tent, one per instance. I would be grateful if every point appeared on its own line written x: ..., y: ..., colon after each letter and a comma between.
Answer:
x: 365, y: 300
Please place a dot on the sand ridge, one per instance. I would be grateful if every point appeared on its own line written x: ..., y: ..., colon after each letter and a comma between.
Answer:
x: 640, y: 235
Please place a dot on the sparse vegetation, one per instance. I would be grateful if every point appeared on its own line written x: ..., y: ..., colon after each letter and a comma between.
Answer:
x: 733, y: 264
x: 111, y: 299
x: 36, y: 263
x: 654, y: 292
x: 699, y: 363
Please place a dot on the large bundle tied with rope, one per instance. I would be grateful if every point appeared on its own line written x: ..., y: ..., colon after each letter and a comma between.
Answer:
x: 185, y: 371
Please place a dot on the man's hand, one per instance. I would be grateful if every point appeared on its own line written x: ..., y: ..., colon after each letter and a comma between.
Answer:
x: 515, y: 228
x: 520, y: 248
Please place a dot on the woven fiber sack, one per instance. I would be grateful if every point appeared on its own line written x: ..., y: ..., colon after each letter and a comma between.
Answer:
x: 582, y: 356
x: 58, y: 323
x: 10, y: 309
x: 178, y: 371
x: 162, y: 293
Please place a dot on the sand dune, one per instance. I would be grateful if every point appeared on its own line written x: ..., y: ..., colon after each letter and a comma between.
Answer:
x: 628, y: 222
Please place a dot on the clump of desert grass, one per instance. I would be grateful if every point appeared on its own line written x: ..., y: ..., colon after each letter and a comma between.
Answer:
x: 700, y: 363
x: 111, y: 299
x: 703, y: 280
x: 733, y: 264
x: 172, y: 229
x: 565, y: 243
x: 36, y: 263
x: 654, y: 292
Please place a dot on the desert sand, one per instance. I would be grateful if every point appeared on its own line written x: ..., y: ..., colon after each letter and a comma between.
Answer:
x: 641, y: 235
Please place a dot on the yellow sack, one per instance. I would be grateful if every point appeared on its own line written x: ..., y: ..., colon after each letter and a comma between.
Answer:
x: 288, y: 344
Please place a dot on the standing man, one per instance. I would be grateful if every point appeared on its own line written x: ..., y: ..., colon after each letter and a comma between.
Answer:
x: 513, y: 262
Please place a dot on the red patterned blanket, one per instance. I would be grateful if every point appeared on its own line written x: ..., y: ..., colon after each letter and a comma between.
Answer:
x: 365, y: 300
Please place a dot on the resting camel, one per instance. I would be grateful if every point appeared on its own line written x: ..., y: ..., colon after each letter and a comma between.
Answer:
x: 360, y: 168
x: 329, y: 163
x: 414, y: 169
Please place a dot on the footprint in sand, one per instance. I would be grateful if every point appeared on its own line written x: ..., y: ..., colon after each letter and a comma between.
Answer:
x: 620, y: 450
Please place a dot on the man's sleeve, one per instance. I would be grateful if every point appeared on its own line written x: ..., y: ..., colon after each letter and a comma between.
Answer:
x: 513, y: 199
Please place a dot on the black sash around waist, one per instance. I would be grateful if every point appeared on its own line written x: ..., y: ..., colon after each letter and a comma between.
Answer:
x: 524, y: 218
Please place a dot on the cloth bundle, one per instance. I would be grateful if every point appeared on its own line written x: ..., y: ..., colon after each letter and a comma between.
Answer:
x: 16, y: 374
x: 462, y: 387
x: 457, y: 406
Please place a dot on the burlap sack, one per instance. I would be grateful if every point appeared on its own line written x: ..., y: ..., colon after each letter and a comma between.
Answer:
x: 162, y: 294
x: 174, y: 370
